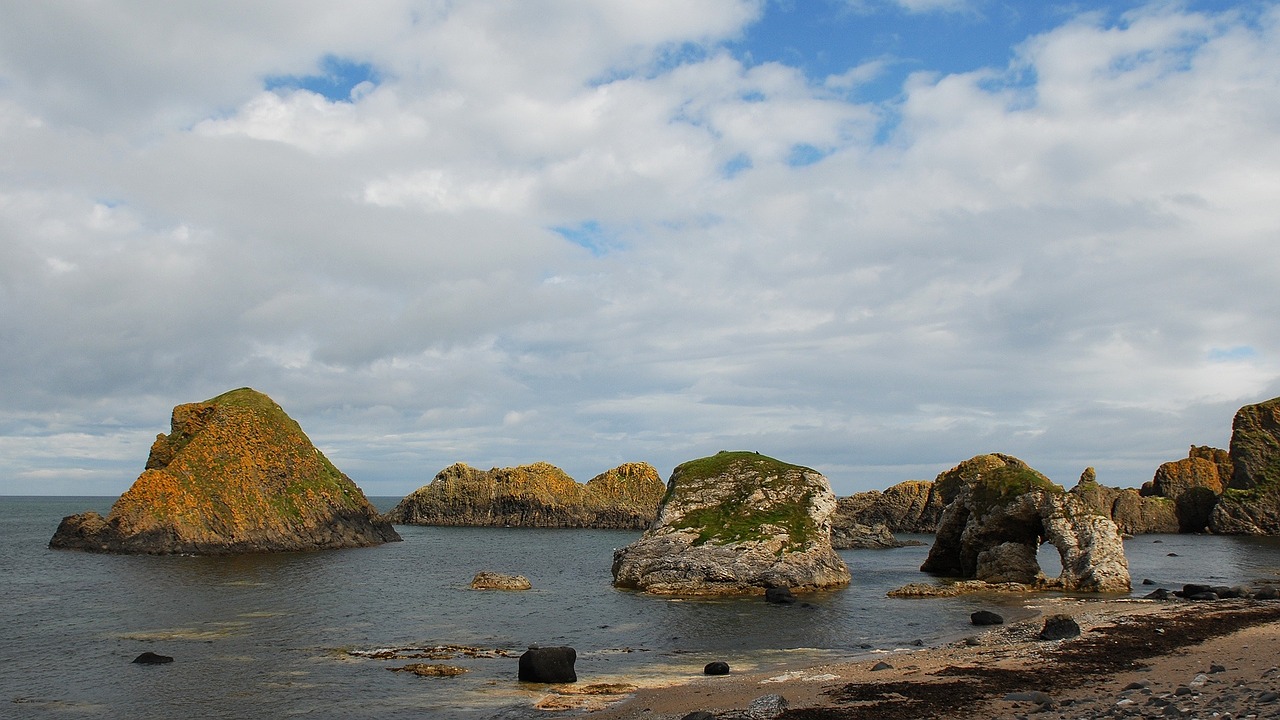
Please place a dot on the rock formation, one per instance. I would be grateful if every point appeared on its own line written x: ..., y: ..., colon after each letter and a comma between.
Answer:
x: 856, y: 536
x: 912, y: 506
x: 537, y: 495
x: 1193, y: 483
x: 234, y: 475
x: 1251, y: 503
x: 736, y: 523
x: 1132, y: 512
x: 1002, y: 510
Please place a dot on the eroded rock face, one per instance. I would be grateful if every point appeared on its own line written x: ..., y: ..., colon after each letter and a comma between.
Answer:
x: 736, y: 523
x: 1001, y: 512
x: 1251, y: 504
x: 537, y: 495
x: 234, y: 475
x: 912, y: 506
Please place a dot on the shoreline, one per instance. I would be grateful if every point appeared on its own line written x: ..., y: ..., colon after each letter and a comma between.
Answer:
x: 1220, y: 655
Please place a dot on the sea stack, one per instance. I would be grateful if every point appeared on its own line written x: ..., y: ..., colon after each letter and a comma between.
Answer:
x: 736, y: 523
x: 235, y: 474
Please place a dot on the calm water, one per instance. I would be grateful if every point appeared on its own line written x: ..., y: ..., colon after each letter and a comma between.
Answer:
x: 268, y: 636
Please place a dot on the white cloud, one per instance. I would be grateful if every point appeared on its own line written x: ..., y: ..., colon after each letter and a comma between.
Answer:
x: 1040, y: 259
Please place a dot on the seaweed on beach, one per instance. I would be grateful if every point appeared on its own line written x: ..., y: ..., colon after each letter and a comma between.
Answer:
x: 959, y: 691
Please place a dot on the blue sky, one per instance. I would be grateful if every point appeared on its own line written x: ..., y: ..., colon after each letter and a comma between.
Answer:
x: 872, y: 237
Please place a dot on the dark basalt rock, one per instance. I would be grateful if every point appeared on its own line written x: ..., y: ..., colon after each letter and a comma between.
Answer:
x: 548, y: 665
x: 986, y: 617
x: 150, y: 658
x: 718, y: 667
x: 1059, y: 627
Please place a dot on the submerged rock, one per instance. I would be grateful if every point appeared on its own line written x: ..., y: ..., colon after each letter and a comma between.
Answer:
x: 485, y: 580
x: 536, y: 495
x: 736, y: 523
x: 235, y: 474
x: 150, y: 658
x: 1000, y: 513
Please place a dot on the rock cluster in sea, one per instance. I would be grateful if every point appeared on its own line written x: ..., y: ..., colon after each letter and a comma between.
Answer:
x: 736, y: 523
x: 1002, y: 510
x: 235, y: 474
x: 1234, y: 492
x: 536, y: 495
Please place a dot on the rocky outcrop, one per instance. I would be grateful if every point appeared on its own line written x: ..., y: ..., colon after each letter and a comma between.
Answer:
x: 1132, y: 513
x: 1251, y: 503
x: 1000, y: 513
x: 1192, y: 484
x: 235, y: 474
x: 736, y: 523
x: 486, y: 580
x: 908, y: 507
x: 537, y: 495
x: 856, y: 536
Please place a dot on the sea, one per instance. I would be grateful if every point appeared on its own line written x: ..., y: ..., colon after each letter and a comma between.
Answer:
x: 299, y: 634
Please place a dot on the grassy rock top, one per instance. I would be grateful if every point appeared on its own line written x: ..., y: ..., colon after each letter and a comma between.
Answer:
x: 742, y: 497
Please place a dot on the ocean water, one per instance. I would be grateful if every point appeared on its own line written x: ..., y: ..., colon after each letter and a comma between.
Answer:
x: 282, y: 635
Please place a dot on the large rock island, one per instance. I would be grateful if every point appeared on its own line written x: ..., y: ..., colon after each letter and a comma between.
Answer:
x: 235, y: 474
x: 536, y: 495
x: 736, y: 523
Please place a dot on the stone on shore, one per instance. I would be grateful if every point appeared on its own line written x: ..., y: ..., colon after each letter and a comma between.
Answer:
x: 1060, y: 627
x: 736, y: 523
x: 150, y: 658
x: 548, y: 665
x: 235, y: 474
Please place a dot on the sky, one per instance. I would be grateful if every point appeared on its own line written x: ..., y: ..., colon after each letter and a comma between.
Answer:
x: 872, y: 237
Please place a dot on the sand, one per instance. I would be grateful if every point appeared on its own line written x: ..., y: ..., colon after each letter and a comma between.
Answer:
x: 1133, y: 659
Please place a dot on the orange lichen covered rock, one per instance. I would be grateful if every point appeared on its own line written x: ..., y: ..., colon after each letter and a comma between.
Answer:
x: 235, y: 474
x: 536, y: 495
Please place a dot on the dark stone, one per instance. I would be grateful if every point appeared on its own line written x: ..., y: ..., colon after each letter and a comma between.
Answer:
x: 1173, y: 555
x: 779, y: 596
x: 1136, y: 685
x: 699, y: 715
x: 1203, y: 596
x: 881, y: 666
x: 1148, y: 581
x: 1192, y: 589
x: 150, y: 658
x: 1059, y: 627
x: 1216, y: 668
x: 1158, y: 594
x: 548, y: 665
x: 1268, y: 697
x: 716, y: 668
x: 986, y: 617
x: 1267, y: 593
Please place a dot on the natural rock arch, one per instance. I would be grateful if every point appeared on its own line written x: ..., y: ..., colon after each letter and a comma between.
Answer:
x: 1001, y: 514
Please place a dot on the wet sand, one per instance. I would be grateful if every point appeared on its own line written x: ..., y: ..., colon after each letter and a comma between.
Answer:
x: 1133, y: 659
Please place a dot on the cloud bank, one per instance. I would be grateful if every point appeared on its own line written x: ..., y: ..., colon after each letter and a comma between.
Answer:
x: 590, y: 233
